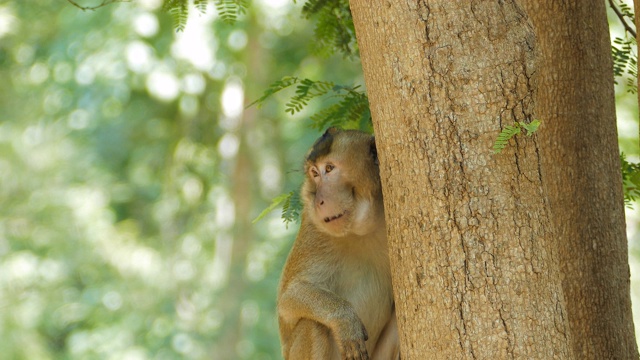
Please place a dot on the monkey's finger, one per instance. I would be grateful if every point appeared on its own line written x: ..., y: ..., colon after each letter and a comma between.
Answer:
x: 361, y: 351
x: 356, y: 351
x: 364, y: 355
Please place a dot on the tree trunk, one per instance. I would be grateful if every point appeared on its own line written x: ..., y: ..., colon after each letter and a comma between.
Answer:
x: 581, y: 173
x: 471, y: 244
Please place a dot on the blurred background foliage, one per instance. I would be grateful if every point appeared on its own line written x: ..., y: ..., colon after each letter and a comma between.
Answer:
x: 130, y: 171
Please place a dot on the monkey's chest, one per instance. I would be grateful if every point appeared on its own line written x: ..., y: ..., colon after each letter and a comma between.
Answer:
x: 369, y: 292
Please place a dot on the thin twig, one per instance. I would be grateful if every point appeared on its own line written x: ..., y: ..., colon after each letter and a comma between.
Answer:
x: 104, y: 3
x: 627, y: 27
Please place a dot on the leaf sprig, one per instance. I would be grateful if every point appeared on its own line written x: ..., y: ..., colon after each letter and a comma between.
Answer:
x: 351, y: 110
x: 630, y: 180
x: 334, y: 30
x: 509, y: 131
x: 228, y: 10
x: 625, y: 60
x: 179, y: 11
x: 306, y: 91
x: 291, y: 207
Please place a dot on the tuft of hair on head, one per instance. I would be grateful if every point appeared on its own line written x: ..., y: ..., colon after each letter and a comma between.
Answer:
x: 322, y: 146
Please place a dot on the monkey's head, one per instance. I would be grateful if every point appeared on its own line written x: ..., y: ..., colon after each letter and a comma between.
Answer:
x: 342, y: 194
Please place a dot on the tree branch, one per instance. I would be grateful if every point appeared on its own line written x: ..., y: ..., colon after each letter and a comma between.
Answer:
x: 104, y: 3
x: 627, y: 27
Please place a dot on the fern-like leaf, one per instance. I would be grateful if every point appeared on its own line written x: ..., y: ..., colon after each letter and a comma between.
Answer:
x: 277, y: 201
x: 201, y: 5
x: 351, y: 112
x: 312, y: 7
x: 179, y: 11
x: 630, y: 180
x: 530, y: 127
x: 625, y: 61
x: 510, y: 131
x: 306, y: 91
x: 277, y: 86
x: 334, y: 30
x: 229, y: 10
x: 291, y: 207
x: 505, y: 135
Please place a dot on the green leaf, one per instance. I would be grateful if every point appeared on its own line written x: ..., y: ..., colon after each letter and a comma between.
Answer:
x: 630, y: 180
x: 179, y: 11
x: 530, y: 127
x: 505, y: 135
x: 334, y: 30
x: 283, y: 198
x: 306, y: 90
x: 510, y: 131
x: 229, y: 10
x: 277, y: 86
x: 201, y: 5
x: 291, y: 208
x: 351, y: 111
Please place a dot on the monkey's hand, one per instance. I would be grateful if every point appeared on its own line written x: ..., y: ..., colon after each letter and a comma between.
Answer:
x: 302, y: 299
x: 351, y: 335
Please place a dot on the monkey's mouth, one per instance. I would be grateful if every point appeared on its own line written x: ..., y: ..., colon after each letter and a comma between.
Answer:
x: 334, y: 217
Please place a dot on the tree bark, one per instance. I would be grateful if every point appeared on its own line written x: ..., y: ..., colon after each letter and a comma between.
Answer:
x: 581, y: 173
x: 471, y: 243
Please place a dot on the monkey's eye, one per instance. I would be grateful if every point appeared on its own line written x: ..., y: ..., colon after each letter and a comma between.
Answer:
x: 314, y: 172
x: 329, y: 167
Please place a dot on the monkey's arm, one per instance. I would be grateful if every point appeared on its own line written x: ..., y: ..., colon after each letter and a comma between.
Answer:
x: 305, y: 300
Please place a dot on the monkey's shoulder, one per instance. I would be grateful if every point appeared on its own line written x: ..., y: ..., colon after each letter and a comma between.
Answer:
x: 321, y: 258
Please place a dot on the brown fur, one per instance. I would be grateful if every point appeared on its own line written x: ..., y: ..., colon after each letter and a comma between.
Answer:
x: 335, y: 299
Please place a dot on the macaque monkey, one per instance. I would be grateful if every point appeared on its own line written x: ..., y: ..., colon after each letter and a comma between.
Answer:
x: 335, y: 299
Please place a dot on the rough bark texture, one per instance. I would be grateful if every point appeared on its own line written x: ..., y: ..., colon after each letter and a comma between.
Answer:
x: 581, y: 173
x: 469, y: 231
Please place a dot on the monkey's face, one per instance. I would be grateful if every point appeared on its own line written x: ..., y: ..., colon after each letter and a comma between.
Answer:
x: 342, y: 193
x: 333, y: 197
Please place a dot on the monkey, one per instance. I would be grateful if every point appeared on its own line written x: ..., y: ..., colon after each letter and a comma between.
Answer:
x: 335, y: 299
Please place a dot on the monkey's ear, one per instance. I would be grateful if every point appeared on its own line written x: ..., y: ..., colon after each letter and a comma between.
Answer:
x: 374, y: 151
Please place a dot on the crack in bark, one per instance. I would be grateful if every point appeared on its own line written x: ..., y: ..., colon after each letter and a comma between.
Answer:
x: 510, y: 344
x: 424, y: 11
